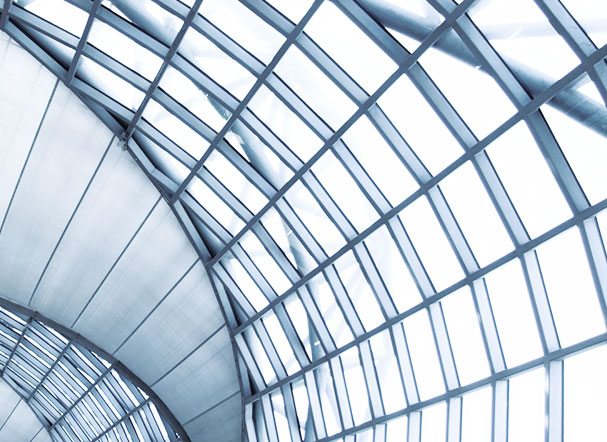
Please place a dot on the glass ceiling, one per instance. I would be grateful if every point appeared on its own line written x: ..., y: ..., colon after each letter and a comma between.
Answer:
x: 75, y: 393
x: 401, y: 204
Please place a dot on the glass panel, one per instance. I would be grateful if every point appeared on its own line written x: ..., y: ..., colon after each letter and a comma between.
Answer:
x: 422, y: 18
x: 314, y: 218
x: 244, y: 281
x: 419, y: 125
x: 215, y: 206
x: 284, y: 123
x: 465, y: 336
x: 260, y: 356
x: 585, y: 392
x: 359, y: 292
x: 160, y: 18
x: 366, y: 435
x: 513, y: 315
x: 602, y: 221
x: 356, y: 384
x: 592, y: 15
x: 261, y: 154
x: 182, y: 89
x: 528, y: 180
x: 424, y: 357
x: 526, y: 405
x: 350, y: 47
x: 431, y: 244
x: 344, y: 191
x: 474, y: 94
x: 523, y: 36
x: 583, y: 147
x: 330, y: 311
x: 280, y: 418
x: 379, y: 161
x: 60, y: 13
x: 299, y: 317
x: 294, y: 11
x: 570, y: 288
x: 434, y: 423
x: 393, y: 270
x: 388, y: 373
x: 476, y: 214
x: 287, y: 241
x: 125, y: 50
x: 315, y: 88
x: 300, y: 397
x: 476, y: 416
x: 110, y: 84
x: 328, y: 401
x: 216, y: 64
x: 175, y: 129
x: 396, y: 430
x: 264, y: 261
x: 243, y: 26
x: 235, y: 181
x: 279, y: 339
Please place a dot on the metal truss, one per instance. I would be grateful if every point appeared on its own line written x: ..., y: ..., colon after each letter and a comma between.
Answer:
x: 314, y: 311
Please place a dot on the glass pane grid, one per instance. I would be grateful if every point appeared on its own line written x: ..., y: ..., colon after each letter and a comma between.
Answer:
x: 369, y: 224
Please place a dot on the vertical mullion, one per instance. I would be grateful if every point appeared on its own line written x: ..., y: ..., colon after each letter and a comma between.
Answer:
x: 597, y: 259
x: 368, y: 365
x: 225, y: 279
x: 554, y: 401
x: 499, y: 411
x: 443, y: 345
x: 291, y: 334
x: 375, y: 281
x: 268, y: 345
x: 328, y: 205
x: 268, y: 413
x: 366, y: 185
x: 540, y: 302
x: 414, y: 428
x: 454, y: 419
x: 343, y: 300
x: 314, y: 404
x: 249, y: 423
x: 247, y: 356
x: 345, y: 409
x: 401, y: 349
x: 290, y: 412
x: 491, y: 339
x: 253, y: 271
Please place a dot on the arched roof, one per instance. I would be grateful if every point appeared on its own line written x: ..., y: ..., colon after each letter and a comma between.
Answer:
x: 400, y: 205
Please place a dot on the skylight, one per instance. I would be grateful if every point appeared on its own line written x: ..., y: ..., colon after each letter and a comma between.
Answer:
x: 401, y: 204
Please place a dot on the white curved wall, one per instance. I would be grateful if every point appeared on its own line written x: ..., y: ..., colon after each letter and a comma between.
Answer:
x: 87, y: 240
x: 18, y: 423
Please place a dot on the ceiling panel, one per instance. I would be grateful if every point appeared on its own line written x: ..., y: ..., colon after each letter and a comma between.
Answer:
x: 187, y: 319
